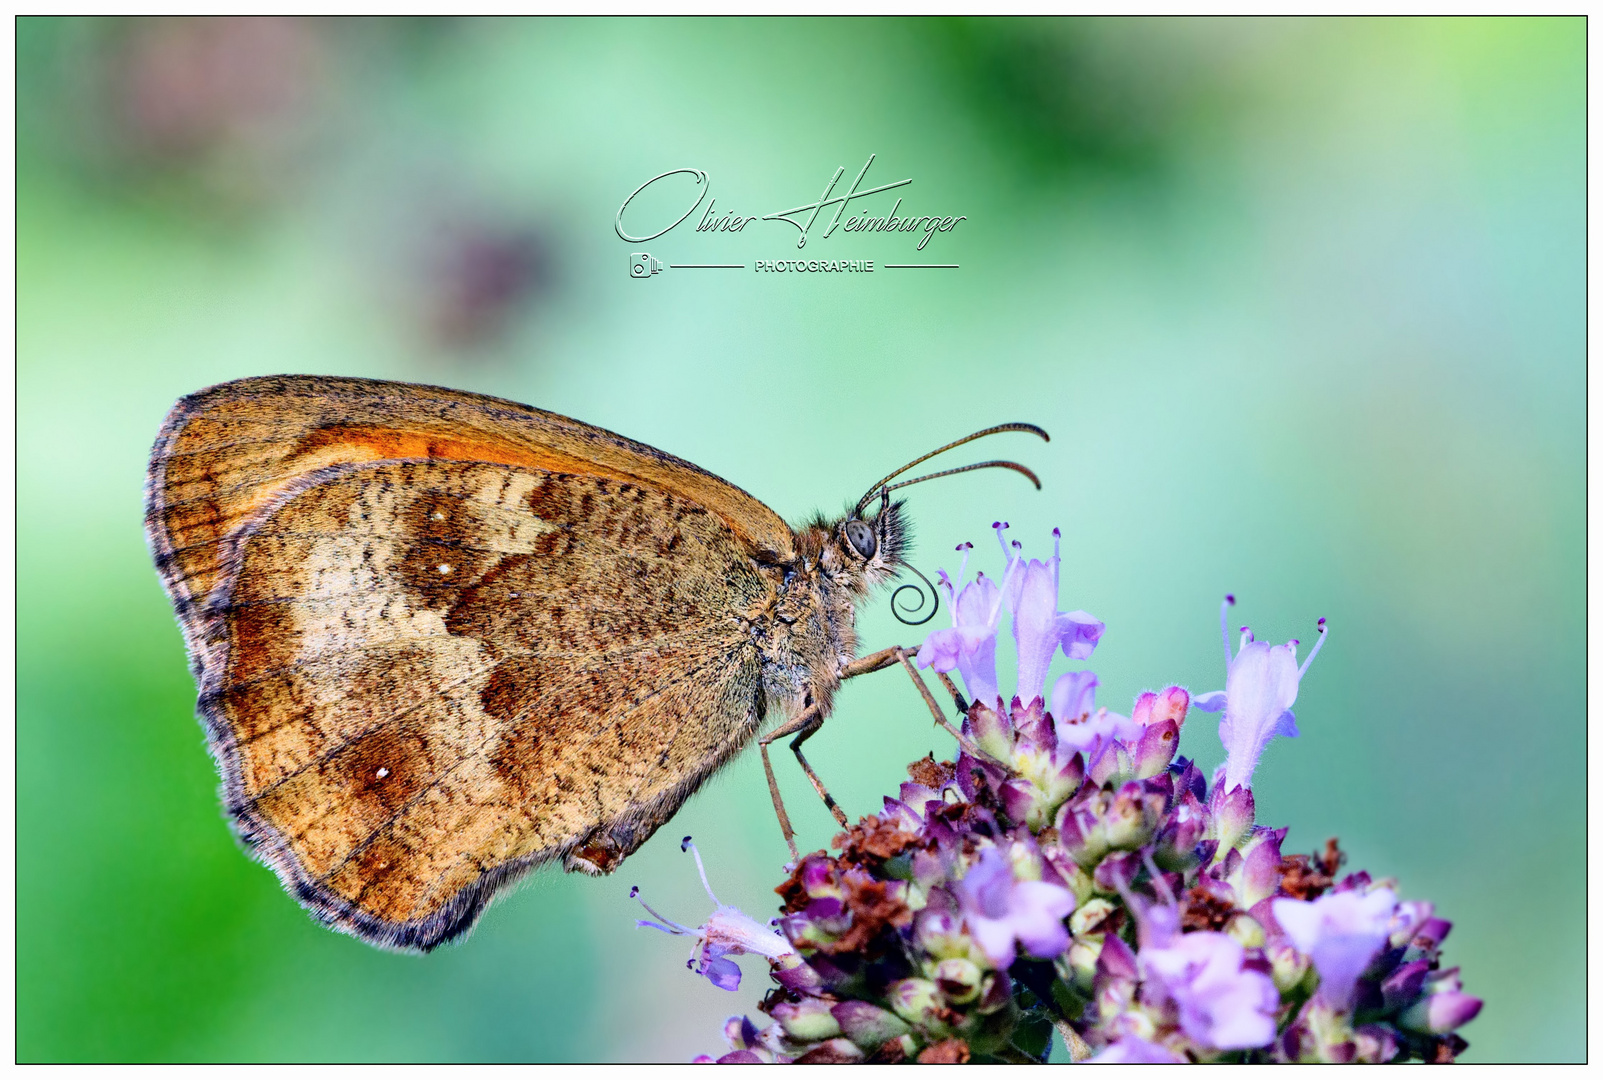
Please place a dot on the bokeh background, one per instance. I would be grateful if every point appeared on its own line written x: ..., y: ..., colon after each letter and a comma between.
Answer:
x: 1300, y: 302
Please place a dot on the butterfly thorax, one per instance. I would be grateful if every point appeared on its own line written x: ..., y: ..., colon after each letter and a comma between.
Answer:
x: 806, y: 633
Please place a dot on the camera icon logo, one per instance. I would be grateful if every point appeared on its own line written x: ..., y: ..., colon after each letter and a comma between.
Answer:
x: 642, y: 265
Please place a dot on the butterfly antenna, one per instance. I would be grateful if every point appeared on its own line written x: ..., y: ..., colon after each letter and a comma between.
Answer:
x: 997, y: 430
x: 1015, y: 466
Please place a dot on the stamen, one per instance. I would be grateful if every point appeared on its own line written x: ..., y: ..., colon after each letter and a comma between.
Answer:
x: 1224, y: 625
x: 669, y: 925
x: 686, y: 845
x: 999, y: 526
x: 1315, y: 652
x: 1246, y: 637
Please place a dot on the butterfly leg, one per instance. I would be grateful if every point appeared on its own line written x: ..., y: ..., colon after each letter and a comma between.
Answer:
x: 935, y: 709
x: 818, y: 785
x: 951, y: 688
x: 889, y: 658
x: 800, y: 721
x: 872, y: 662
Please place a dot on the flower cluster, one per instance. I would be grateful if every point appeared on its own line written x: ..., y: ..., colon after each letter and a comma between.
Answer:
x: 1068, y: 873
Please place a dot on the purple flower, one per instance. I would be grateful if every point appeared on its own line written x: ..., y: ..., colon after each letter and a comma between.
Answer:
x: 1442, y: 1012
x: 1001, y: 911
x: 1030, y: 591
x: 970, y: 645
x: 727, y: 932
x: 1132, y: 1050
x: 1080, y: 724
x: 1341, y: 932
x: 1260, y: 687
x: 1221, y: 1004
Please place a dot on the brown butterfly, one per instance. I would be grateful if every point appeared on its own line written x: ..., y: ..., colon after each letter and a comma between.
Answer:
x: 442, y: 638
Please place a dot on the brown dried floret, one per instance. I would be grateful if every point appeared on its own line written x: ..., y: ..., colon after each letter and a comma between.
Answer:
x: 873, y: 838
x: 931, y: 773
x: 953, y: 1051
x: 874, y: 905
x: 1204, y: 910
x: 1308, y: 876
x: 791, y: 891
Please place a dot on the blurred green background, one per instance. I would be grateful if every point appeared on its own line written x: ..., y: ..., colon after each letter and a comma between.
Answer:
x: 1302, y: 304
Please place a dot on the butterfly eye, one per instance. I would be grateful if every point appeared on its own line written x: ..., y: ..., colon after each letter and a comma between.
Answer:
x: 862, y: 538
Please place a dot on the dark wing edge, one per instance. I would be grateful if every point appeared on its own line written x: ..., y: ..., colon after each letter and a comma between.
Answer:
x: 159, y: 541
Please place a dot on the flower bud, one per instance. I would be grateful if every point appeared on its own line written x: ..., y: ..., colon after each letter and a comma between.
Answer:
x: 1156, y: 749
x: 1133, y: 817
x: 1232, y: 814
x: 959, y: 980
x: 1080, y: 832
x: 1246, y: 930
x: 808, y: 1020
x: 1258, y: 875
x: 794, y: 973
x: 1409, y: 916
x: 1078, y: 966
x: 1441, y: 1013
x: 1114, y: 764
x: 740, y: 1033
x: 1156, y: 708
x: 1287, y: 967
x: 833, y: 1052
x: 992, y: 733
x: 1175, y: 846
x: 1376, y: 1044
x: 940, y: 934
x: 1090, y: 914
x: 914, y: 1000
x: 1432, y: 933
x: 869, y: 1026
x: 1403, y: 985
x: 996, y: 991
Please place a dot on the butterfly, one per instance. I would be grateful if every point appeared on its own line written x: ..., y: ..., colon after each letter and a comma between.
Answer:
x: 442, y: 638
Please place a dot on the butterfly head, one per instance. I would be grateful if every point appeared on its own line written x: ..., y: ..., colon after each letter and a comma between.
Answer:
x: 863, y: 550
x: 868, y: 546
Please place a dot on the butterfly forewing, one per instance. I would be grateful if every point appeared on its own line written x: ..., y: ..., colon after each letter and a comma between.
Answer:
x: 225, y: 452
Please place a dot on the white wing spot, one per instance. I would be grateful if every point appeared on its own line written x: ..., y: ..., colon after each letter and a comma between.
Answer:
x: 445, y: 568
x: 382, y: 772
x: 439, y: 515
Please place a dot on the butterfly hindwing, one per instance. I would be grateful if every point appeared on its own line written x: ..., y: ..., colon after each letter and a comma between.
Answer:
x: 429, y: 675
